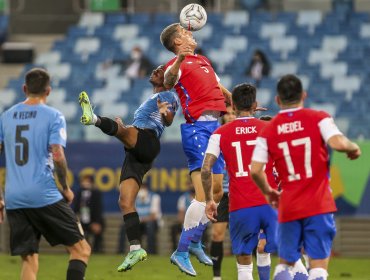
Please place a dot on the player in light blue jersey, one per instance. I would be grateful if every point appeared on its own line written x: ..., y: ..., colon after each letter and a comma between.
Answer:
x: 33, y: 136
x: 141, y: 142
x: 219, y: 228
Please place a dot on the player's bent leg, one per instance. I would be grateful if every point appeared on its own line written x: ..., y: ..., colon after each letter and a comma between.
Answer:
x: 78, y: 259
x: 30, y: 267
x: 217, y: 248
x: 245, y: 267
x: 129, y: 189
x: 263, y: 259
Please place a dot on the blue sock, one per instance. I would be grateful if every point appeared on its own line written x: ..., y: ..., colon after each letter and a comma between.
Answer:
x: 264, y: 272
x: 282, y: 273
x: 300, y: 276
x: 198, y: 233
x: 320, y: 278
x: 185, y: 239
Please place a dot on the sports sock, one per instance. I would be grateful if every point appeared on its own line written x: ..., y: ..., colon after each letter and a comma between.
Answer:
x: 299, y: 271
x: 282, y: 272
x: 217, y: 254
x: 132, y: 226
x: 76, y: 270
x: 264, y: 265
x: 193, y: 216
x: 245, y: 271
x: 107, y: 125
x: 318, y: 274
x: 200, y: 228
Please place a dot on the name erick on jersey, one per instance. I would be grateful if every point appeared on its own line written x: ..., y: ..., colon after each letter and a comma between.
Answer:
x: 197, y: 87
x: 296, y: 141
x: 236, y: 140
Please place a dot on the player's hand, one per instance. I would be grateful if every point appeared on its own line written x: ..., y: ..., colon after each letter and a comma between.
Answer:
x: 2, y: 207
x: 211, y: 210
x: 183, y: 52
x: 68, y: 195
x: 273, y: 198
x: 119, y: 121
x: 355, y: 153
x: 163, y: 107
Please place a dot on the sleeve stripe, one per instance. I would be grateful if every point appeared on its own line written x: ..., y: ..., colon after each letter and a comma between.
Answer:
x: 328, y: 129
x: 214, y: 145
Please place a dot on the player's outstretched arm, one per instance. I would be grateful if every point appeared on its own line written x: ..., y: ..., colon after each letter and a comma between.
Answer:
x: 60, y: 166
x: 259, y: 177
x: 226, y: 93
x: 206, y: 175
x: 342, y: 144
x: 172, y: 72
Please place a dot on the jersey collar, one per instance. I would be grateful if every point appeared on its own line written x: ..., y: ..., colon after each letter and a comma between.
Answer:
x: 290, y: 110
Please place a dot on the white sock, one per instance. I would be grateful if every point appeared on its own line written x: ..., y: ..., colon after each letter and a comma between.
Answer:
x: 194, y: 214
x: 263, y: 259
x: 94, y: 119
x: 217, y: 278
x: 299, y: 267
x: 135, y: 247
x: 316, y: 273
x: 281, y: 267
x: 245, y: 271
x: 204, y: 218
x: 306, y: 261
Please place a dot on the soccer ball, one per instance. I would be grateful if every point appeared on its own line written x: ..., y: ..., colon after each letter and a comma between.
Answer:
x: 193, y: 17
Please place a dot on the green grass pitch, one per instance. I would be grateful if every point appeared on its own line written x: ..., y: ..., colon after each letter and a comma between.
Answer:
x: 103, y: 267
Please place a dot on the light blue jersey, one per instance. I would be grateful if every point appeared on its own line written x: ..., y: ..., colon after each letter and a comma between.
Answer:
x: 148, y: 116
x: 225, y: 182
x: 27, y: 131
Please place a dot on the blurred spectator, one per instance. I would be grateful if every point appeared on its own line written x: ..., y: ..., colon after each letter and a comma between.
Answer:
x: 138, y: 66
x: 88, y: 205
x: 258, y: 67
x: 148, y: 206
x: 252, y: 4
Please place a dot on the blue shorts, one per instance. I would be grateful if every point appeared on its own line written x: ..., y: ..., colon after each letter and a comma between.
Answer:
x: 315, y: 234
x: 245, y: 225
x: 195, y: 138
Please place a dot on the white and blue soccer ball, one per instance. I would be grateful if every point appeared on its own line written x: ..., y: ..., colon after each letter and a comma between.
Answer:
x: 193, y: 17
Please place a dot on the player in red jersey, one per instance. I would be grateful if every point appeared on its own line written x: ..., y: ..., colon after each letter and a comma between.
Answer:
x: 203, y: 101
x: 249, y: 209
x: 296, y: 139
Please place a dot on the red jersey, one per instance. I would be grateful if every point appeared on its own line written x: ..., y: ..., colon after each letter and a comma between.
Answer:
x: 236, y: 141
x: 197, y: 87
x: 296, y: 141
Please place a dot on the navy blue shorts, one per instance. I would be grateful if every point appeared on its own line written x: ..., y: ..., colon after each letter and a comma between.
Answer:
x: 195, y: 138
x: 245, y: 225
x: 315, y: 234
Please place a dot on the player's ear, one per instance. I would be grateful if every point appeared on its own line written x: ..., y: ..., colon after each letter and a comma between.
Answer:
x: 304, y: 95
x: 47, y: 91
x: 277, y: 100
x: 25, y: 89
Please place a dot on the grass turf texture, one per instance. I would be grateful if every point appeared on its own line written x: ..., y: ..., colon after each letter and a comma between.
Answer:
x: 104, y: 267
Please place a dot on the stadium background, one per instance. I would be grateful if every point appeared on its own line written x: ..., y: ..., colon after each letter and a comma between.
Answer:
x: 326, y: 43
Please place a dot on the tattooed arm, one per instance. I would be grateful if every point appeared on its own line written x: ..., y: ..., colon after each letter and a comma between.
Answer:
x: 60, y: 166
x: 206, y: 174
x: 226, y: 93
x: 171, y: 74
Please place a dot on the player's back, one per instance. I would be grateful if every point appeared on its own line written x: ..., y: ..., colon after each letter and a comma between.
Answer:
x: 237, y: 141
x: 296, y: 145
x: 27, y: 132
x: 198, y: 87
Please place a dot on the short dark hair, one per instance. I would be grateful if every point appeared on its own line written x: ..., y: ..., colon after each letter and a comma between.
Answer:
x: 290, y: 89
x: 243, y: 96
x: 266, y: 118
x: 37, y: 80
x: 168, y: 35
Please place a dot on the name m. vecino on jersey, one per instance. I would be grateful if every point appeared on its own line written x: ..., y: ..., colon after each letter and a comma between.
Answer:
x: 290, y: 127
